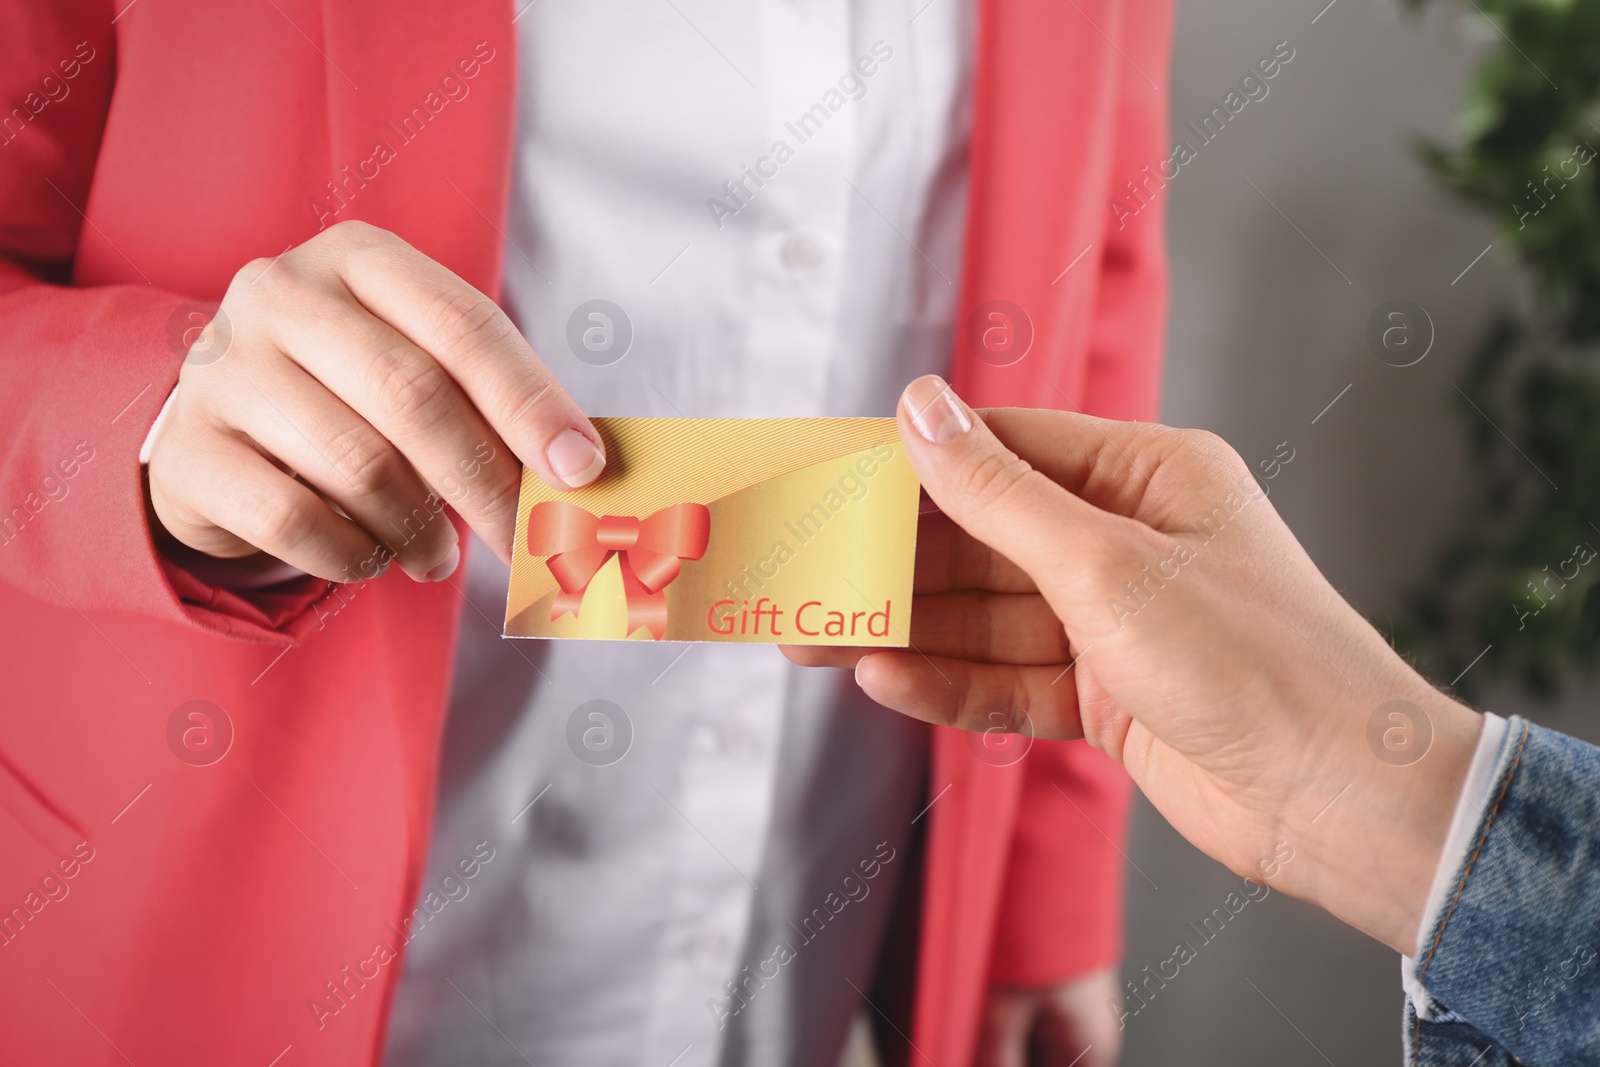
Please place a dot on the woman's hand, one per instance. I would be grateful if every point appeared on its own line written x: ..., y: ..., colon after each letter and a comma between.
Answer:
x: 1130, y: 584
x: 342, y: 395
x: 1061, y: 1026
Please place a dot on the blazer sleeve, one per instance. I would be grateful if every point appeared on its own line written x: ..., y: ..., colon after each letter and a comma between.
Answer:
x: 84, y: 369
x: 1061, y: 913
x: 1512, y: 963
x: 1061, y: 909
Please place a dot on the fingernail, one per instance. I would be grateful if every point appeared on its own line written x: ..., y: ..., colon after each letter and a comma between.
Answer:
x: 857, y: 671
x: 935, y: 412
x: 575, y: 459
x: 448, y: 567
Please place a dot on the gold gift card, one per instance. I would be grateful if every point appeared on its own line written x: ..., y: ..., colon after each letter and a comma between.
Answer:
x: 772, y: 531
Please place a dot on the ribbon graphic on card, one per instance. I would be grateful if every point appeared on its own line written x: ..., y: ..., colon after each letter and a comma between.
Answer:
x: 652, y: 550
x: 792, y: 531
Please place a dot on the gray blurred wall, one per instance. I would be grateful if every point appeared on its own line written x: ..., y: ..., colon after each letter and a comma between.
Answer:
x: 1267, y: 328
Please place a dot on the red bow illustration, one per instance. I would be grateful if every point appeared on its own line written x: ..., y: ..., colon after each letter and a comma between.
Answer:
x: 578, y: 544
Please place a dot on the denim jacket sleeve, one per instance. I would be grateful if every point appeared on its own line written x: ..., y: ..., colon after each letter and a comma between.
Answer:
x: 1512, y: 962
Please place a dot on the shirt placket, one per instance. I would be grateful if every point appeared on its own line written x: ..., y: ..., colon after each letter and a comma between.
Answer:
x: 797, y: 191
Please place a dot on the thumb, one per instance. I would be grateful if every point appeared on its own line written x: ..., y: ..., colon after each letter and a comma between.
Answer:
x: 988, y: 490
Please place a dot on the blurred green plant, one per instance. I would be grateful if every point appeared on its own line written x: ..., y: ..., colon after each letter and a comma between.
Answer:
x: 1525, y: 576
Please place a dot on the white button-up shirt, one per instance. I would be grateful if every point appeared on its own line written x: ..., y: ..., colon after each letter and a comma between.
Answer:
x: 718, y: 208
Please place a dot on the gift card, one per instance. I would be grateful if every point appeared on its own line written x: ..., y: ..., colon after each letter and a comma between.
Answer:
x: 771, y: 531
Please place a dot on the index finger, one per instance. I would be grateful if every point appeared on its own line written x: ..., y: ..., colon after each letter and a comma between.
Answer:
x: 478, y: 346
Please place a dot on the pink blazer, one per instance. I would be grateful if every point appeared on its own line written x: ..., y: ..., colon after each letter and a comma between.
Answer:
x: 149, y: 150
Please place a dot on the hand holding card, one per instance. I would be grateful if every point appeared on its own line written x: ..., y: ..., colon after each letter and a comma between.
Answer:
x: 1131, y: 584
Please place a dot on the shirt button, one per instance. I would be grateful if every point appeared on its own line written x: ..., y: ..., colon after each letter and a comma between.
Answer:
x: 800, y: 251
x: 709, y: 948
x: 707, y: 738
x: 739, y: 737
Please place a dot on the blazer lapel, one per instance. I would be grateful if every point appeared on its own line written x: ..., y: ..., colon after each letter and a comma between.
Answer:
x: 421, y: 101
x: 1044, y: 99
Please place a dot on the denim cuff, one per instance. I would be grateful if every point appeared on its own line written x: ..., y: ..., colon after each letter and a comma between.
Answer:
x: 1447, y: 1040
x: 1512, y: 963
